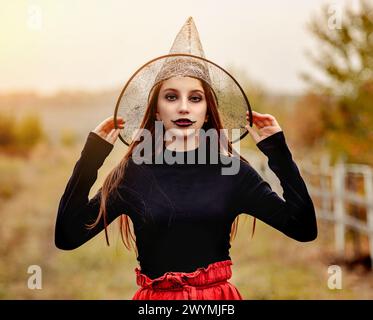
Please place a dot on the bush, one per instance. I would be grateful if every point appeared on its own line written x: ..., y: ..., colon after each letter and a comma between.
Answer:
x: 19, y: 136
x: 29, y: 131
x: 7, y: 129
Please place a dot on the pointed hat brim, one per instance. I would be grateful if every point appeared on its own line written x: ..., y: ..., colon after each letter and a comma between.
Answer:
x: 186, y: 58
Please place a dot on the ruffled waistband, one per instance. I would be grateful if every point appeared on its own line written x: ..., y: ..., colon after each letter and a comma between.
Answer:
x: 219, y: 271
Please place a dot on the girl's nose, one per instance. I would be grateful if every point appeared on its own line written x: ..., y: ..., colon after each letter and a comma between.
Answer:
x: 184, y: 106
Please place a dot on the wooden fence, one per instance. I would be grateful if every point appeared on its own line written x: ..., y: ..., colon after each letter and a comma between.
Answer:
x: 344, y: 194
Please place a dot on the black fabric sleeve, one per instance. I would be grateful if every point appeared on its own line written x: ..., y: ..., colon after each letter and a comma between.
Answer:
x: 75, y: 208
x: 295, y: 217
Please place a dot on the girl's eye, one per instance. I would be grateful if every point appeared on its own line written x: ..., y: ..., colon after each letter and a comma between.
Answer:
x: 194, y: 99
x: 168, y: 96
x: 198, y: 99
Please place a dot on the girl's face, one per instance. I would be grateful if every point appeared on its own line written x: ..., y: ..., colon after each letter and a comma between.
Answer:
x: 182, y: 106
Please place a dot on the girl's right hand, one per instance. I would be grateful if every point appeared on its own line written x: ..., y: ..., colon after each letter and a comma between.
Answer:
x: 107, y: 131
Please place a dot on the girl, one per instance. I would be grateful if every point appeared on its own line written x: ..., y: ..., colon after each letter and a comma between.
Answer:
x: 184, y: 214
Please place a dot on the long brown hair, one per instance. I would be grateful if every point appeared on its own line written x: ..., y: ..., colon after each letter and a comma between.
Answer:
x: 116, y: 175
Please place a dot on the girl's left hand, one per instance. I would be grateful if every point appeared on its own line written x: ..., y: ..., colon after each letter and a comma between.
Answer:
x: 266, y: 123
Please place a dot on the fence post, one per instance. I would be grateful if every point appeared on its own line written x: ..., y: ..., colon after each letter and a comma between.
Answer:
x: 368, y: 186
x: 339, y: 206
x: 324, y: 171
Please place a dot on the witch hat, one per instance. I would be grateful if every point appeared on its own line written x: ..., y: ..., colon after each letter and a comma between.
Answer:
x: 185, y: 58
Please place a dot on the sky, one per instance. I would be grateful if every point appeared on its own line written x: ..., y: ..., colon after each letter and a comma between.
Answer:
x: 49, y: 46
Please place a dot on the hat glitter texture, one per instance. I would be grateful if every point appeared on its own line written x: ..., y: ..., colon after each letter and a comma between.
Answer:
x: 186, y: 58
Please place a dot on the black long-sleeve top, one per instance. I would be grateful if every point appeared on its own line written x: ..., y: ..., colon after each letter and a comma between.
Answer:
x: 182, y: 213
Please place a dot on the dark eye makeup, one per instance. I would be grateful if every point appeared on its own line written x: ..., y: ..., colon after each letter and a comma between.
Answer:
x: 173, y: 96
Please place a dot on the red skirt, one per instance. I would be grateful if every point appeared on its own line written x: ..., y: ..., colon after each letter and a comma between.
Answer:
x: 209, y: 283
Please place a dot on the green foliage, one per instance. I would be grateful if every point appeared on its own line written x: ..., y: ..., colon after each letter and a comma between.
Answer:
x: 345, y: 99
x: 7, y: 129
x: 345, y: 54
x: 23, y: 133
x: 29, y: 131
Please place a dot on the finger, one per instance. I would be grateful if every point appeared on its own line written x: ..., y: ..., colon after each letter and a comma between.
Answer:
x: 111, y: 123
x: 252, y: 133
x: 114, y: 136
x: 274, y: 122
x: 264, y: 120
x: 260, y: 120
x: 105, y: 125
x: 255, y: 119
x: 108, y: 119
x: 120, y: 123
x: 257, y: 114
x: 110, y: 126
x: 259, y: 123
x: 102, y: 124
x: 269, y: 116
x: 248, y: 119
x: 263, y: 115
x: 120, y: 120
x: 110, y: 134
x: 270, y: 120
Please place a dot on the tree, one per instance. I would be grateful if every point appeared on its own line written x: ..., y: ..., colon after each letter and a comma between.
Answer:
x: 345, y: 58
x: 344, y: 100
x: 29, y: 131
x: 345, y: 52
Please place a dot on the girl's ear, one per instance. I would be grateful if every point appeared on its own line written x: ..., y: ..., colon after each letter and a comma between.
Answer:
x: 207, y: 118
